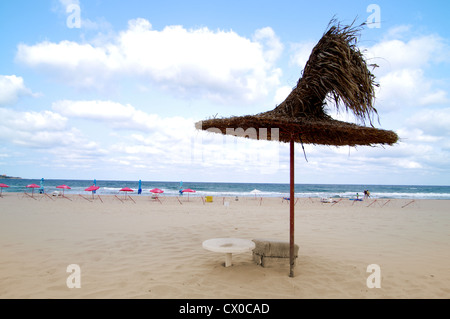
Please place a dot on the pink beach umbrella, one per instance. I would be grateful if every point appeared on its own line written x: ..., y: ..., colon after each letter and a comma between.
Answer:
x: 1, y: 188
x: 188, y: 190
x: 156, y: 191
x: 126, y: 190
x: 63, y: 187
x: 92, y: 189
x: 33, y: 186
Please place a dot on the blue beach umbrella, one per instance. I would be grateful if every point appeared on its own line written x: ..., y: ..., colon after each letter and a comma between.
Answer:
x: 41, y: 189
x: 181, y: 188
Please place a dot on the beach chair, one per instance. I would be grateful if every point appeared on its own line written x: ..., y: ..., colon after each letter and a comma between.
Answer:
x: 155, y: 197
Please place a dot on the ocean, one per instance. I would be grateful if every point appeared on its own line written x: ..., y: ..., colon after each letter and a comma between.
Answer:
x: 110, y: 187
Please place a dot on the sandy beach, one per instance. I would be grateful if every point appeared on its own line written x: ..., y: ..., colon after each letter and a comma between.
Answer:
x: 150, y: 249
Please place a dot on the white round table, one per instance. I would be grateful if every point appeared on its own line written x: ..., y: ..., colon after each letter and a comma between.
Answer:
x: 228, y: 246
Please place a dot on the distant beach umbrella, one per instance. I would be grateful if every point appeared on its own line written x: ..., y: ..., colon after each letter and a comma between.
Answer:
x: 32, y: 186
x: 335, y: 71
x: 63, y: 187
x: 41, y: 188
x: 127, y: 190
x: 188, y: 190
x: 1, y: 187
x: 92, y: 189
x: 156, y: 191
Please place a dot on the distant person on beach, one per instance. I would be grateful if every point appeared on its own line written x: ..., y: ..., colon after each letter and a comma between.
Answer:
x: 366, y: 194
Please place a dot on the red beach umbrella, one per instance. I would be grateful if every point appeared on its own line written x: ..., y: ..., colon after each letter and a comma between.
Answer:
x: 92, y: 189
x: 63, y: 187
x: 125, y: 190
x: 156, y: 191
x: 188, y: 190
x: 1, y: 188
x: 33, y: 186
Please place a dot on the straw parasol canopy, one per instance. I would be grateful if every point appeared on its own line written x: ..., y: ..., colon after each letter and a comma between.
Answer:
x: 336, y: 71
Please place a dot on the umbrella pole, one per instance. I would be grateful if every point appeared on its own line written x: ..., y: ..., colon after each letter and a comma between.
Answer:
x: 291, y: 210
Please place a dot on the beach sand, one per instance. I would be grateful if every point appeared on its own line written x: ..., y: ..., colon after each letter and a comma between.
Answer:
x: 145, y: 249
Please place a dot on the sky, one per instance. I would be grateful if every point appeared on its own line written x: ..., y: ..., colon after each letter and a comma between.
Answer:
x: 111, y: 90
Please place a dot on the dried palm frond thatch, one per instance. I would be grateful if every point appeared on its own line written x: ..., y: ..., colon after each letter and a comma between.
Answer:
x: 336, y: 70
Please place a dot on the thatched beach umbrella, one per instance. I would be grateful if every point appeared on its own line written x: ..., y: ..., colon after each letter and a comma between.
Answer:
x: 336, y: 71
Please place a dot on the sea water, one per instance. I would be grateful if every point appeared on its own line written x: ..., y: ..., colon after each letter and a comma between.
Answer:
x: 111, y: 187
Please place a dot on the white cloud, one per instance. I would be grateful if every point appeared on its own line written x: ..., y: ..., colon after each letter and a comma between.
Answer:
x: 35, y: 129
x: 266, y: 36
x: 408, y: 164
x: 417, y: 135
x: 403, y: 65
x: 398, y: 32
x: 33, y: 121
x: 95, y: 110
x: 408, y: 87
x: 433, y: 121
x: 57, y: 144
x: 301, y: 53
x: 213, y: 64
x: 145, y: 139
x: 11, y: 88
x: 282, y: 93
x: 416, y: 53
x: 126, y: 117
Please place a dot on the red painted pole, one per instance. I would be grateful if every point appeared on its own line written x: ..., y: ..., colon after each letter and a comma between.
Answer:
x: 291, y: 210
